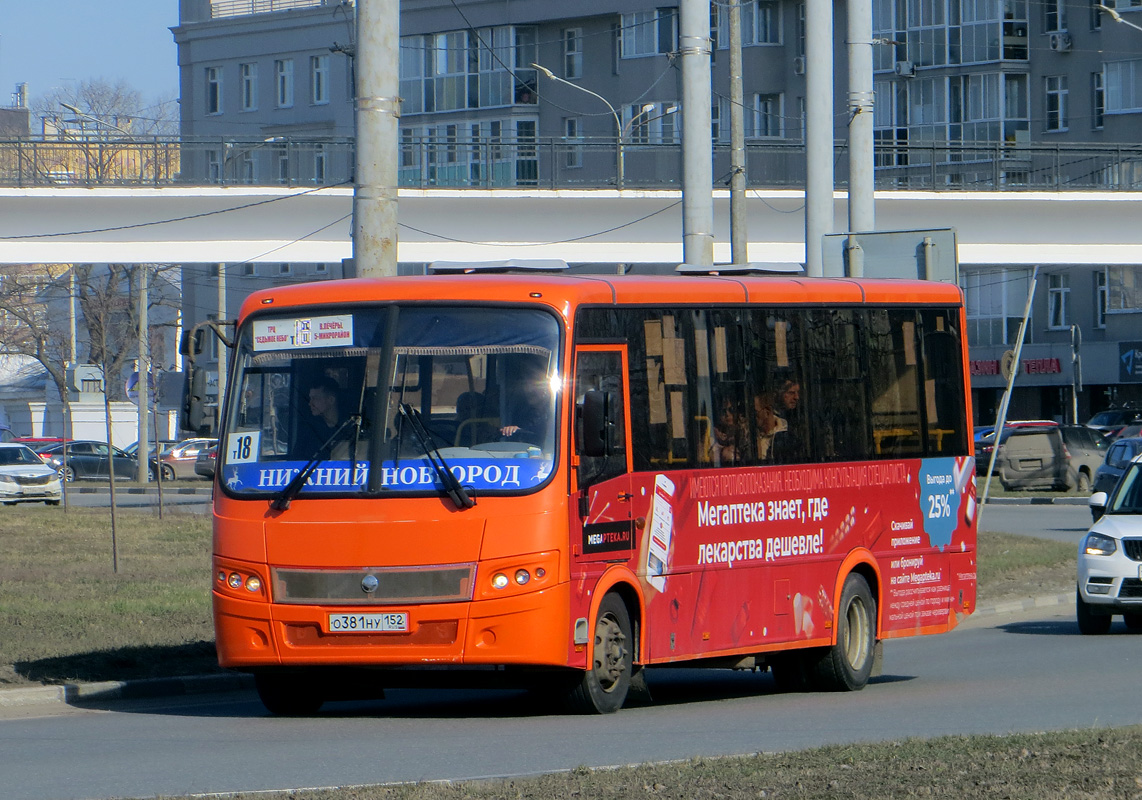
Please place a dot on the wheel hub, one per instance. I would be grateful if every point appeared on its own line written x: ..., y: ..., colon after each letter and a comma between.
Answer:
x: 610, y: 653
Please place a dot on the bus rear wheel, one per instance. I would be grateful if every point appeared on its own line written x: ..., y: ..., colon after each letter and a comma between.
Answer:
x: 847, y: 665
x: 288, y: 694
x: 604, y: 686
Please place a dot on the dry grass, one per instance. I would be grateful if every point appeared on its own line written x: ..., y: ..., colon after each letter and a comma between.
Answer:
x: 1096, y: 765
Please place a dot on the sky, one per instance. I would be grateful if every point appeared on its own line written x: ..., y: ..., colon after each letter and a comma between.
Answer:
x: 50, y: 43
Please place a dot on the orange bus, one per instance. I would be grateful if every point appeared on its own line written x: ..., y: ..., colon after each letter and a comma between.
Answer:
x: 559, y: 481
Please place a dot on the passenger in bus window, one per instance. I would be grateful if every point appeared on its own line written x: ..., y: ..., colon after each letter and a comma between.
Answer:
x: 789, y: 443
x: 529, y: 410
x: 769, y: 425
x: 729, y: 443
x: 325, y: 417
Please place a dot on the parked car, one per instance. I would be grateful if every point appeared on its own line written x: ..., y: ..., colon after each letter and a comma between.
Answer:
x: 1119, y: 453
x: 1111, y: 421
x: 25, y: 478
x: 1049, y: 457
x: 90, y: 460
x: 179, y: 460
x: 1133, y: 429
x: 162, y: 444
x: 204, y: 463
x: 1110, y: 557
x: 985, y: 439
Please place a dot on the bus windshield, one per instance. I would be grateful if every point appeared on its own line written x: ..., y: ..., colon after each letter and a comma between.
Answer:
x: 473, y: 389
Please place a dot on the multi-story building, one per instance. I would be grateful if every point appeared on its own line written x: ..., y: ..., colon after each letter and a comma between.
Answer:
x: 986, y: 94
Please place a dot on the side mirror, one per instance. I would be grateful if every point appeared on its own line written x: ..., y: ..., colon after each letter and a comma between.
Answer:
x: 1097, y: 505
x: 595, y: 416
x: 192, y: 342
x: 194, y: 400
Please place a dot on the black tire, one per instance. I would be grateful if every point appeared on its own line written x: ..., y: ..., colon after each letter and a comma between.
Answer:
x: 603, y: 687
x: 51, y: 502
x: 1133, y: 621
x: 168, y: 472
x: 66, y: 474
x: 9, y: 502
x: 288, y: 694
x: 847, y: 665
x: 1083, y: 482
x: 1091, y: 623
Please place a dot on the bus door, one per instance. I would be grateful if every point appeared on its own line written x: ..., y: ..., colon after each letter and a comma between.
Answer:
x: 602, y: 523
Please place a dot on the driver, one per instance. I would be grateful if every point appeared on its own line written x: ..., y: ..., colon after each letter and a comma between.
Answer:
x: 529, y: 412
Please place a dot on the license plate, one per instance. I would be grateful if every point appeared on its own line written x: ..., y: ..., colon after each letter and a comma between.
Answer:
x: 368, y: 623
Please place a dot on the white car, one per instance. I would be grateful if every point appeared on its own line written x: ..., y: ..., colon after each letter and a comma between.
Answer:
x: 25, y: 478
x: 1110, y: 557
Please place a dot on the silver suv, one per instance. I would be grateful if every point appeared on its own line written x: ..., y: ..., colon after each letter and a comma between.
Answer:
x: 1050, y: 457
x: 1110, y: 557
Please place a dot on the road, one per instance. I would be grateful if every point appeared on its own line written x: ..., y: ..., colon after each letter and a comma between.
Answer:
x: 994, y: 674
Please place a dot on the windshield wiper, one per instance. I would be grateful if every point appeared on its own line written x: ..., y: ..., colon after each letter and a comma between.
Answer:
x: 282, y: 501
x: 452, y: 486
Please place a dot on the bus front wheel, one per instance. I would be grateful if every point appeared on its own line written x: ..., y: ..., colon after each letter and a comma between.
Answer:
x: 287, y: 694
x: 604, y: 686
x: 847, y: 665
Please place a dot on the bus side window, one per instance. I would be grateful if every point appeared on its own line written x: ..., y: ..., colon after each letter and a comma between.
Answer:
x: 602, y: 371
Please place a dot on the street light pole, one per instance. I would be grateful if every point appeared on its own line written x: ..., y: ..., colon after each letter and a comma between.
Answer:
x: 94, y: 119
x: 1114, y: 15
x: 614, y: 113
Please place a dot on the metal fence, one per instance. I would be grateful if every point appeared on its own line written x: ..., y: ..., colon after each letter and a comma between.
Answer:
x: 552, y: 163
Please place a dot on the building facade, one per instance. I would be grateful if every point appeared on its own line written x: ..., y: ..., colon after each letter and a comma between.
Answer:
x: 968, y: 93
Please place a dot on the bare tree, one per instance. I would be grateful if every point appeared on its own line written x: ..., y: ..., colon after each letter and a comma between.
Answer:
x: 33, y: 317
x: 107, y: 110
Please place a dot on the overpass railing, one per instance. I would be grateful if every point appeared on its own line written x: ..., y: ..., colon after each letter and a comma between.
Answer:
x: 554, y: 163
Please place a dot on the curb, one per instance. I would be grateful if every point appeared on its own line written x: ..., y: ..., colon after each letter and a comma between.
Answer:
x: 69, y: 693
x: 74, y: 693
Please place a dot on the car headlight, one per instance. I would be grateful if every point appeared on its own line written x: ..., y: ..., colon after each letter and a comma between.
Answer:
x: 1097, y: 544
x: 7, y: 479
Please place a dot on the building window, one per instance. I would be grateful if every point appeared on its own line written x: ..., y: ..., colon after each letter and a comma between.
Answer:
x: 285, y: 269
x: 247, y: 171
x: 283, y: 71
x: 718, y: 132
x: 1123, y: 289
x: 1058, y: 288
x: 319, y: 164
x: 995, y: 299
x: 249, y: 269
x: 1100, y: 298
x: 319, y: 78
x: 648, y: 33
x: 1056, y: 106
x: 1123, y: 86
x: 321, y: 269
x: 573, y: 136
x: 1055, y: 15
x: 214, y: 90
x: 214, y: 166
x: 765, y: 118
x: 249, y: 73
x: 1097, y: 101
x: 282, y: 155
x: 573, y: 53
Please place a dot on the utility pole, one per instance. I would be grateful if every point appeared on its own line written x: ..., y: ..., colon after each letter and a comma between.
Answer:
x: 143, y: 382
x: 222, y: 350
x: 818, y: 132
x: 739, y: 233
x: 862, y: 216
x: 378, y: 130
x: 697, y: 166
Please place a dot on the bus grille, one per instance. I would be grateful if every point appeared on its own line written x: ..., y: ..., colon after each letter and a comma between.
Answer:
x: 441, y: 584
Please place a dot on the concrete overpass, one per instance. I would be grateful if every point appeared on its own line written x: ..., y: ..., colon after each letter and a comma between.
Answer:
x: 173, y: 225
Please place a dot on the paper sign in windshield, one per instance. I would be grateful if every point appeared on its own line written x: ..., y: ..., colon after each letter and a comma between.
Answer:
x: 292, y: 334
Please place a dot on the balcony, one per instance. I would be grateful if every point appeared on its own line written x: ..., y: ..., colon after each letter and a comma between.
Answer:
x: 553, y: 163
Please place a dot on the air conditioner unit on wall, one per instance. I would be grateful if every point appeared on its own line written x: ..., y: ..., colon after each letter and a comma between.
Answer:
x: 799, y: 65
x: 1061, y: 42
x: 905, y: 68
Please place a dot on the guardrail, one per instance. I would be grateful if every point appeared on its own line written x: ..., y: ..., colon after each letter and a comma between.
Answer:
x: 551, y: 163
